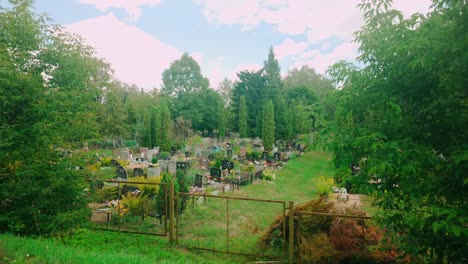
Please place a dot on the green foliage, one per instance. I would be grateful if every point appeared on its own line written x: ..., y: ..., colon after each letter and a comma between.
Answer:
x: 268, y: 128
x: 243, y: 117
x: 41, y: 190
x: 400, y: 119
x: 154, y: 160
x: 183, y: 76
x: 165, y: 128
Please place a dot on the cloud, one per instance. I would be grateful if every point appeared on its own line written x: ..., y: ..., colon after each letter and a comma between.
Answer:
x: 136, y: 56
x: 320, y: 62
x: 132, y: 7
x: 318, y: 19
x: 289, y: 48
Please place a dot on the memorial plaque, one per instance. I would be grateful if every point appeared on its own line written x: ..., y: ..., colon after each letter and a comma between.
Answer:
x: 198, y: 180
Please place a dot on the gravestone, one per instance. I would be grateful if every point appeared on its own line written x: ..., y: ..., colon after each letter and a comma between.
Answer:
x: 227, y: 164
x: 204, y: 163
x: 258, y: 168
x: 124, y: 154
x: 210, y: 157
x: 198, y: 180
x: 242, y: 152
x: 164, y: 165
x: 144, y: 152
x: 277, y: 156
x: 122, y: 172
x: 115, y: 162
x: 229, y: 153
x: 182, y: 165
x: 215, y: 173
x: 154, y: 171
x: 289, y: 154
x: 150, y: 153
x: 138, y: 172
x: 173, y: 151
x: 187, y: 154
x: 228, y: 145
x: 265, y: 155
x: 172, y: 168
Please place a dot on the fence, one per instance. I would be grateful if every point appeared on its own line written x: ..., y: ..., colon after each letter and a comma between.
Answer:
x: 227, y: 226
x: 120, y: 206
x: 224, y: 224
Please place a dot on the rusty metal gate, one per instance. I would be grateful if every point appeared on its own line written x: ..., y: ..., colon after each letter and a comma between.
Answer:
x: 230, y: 230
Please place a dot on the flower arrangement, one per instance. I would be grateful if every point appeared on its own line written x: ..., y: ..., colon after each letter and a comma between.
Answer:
x: 196, y: 190
x: 268, y: 175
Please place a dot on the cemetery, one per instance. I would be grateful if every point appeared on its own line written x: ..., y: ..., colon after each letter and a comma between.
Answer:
x: 122, y: 142
x: 211, y: 168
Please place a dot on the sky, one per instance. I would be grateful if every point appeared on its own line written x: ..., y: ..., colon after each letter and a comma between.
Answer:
x: 141, y: 38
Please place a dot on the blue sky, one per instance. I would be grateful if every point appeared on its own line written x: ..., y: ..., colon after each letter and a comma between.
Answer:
x: 140, y: 38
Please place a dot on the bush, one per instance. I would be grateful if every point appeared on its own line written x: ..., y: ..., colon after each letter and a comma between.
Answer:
x: 154, y: 160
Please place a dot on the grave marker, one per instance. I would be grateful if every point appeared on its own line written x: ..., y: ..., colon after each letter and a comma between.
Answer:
x: 198, y: 180
x: 138, y: 172
x: 122, y: 172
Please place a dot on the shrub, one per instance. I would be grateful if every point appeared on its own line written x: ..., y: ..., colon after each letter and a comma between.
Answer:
x: 154, y: 160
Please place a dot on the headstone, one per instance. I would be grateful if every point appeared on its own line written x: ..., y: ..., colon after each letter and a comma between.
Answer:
x: 164, y: 165
x: 228, y: 146
x: 227, y: 164
x: 211, y: 157
x: 277, y: 156
x: 242, y: 152
x: 182, y: 165
x: 198, y: 180
x: 150, y: 153
x: 114, y: 162
x: 258, y: 168
x: 122, y: 172
x: 172, y: 168
x: 265, y: 155
x: 204, y: 163
x: 229, y: 153
x: 215, y: 173
x: 187, y: 154
x: 289, y: 154
x: 173, y: 151
x: 124, y: 154
x: 138, y: 172
x: 154, y: 171
x: 144, y: 152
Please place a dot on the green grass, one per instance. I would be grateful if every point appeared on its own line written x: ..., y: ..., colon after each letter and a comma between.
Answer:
x: 99, y: 247
x: 204, y: 225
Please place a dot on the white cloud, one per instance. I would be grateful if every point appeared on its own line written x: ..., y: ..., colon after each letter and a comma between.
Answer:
x: 318, y: 19
x: 136, y: 56
x: 320, y: 62
x: 132, y: 7
x: 289, y: 48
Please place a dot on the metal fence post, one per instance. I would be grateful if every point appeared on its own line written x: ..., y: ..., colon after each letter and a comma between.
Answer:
x: 171, y: 212
x: 291, y: 233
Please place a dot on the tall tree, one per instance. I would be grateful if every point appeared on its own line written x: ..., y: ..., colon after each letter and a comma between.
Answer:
x: 272, y: 71
x: 307, y: 78
x: 225, y: 90
x: 268, y: 126
x: 183, y: 76
x: 51, y: 88
x: 243, y: 117
x: 164, y: 128
x: 222, y: 120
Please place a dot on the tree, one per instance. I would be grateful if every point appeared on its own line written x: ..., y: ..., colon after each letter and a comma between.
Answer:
x: 164, y: 128
x: 112, y: 117
x: 268, y: 128
x: 183, y: 76
x: 243, y: 117
x: 51, y: 88
x: 307, y: 78
x: 222, y: 119
x: 225, y: 90
x: 252, y: 86
x: 400, y: 119
x: 272, y: 71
